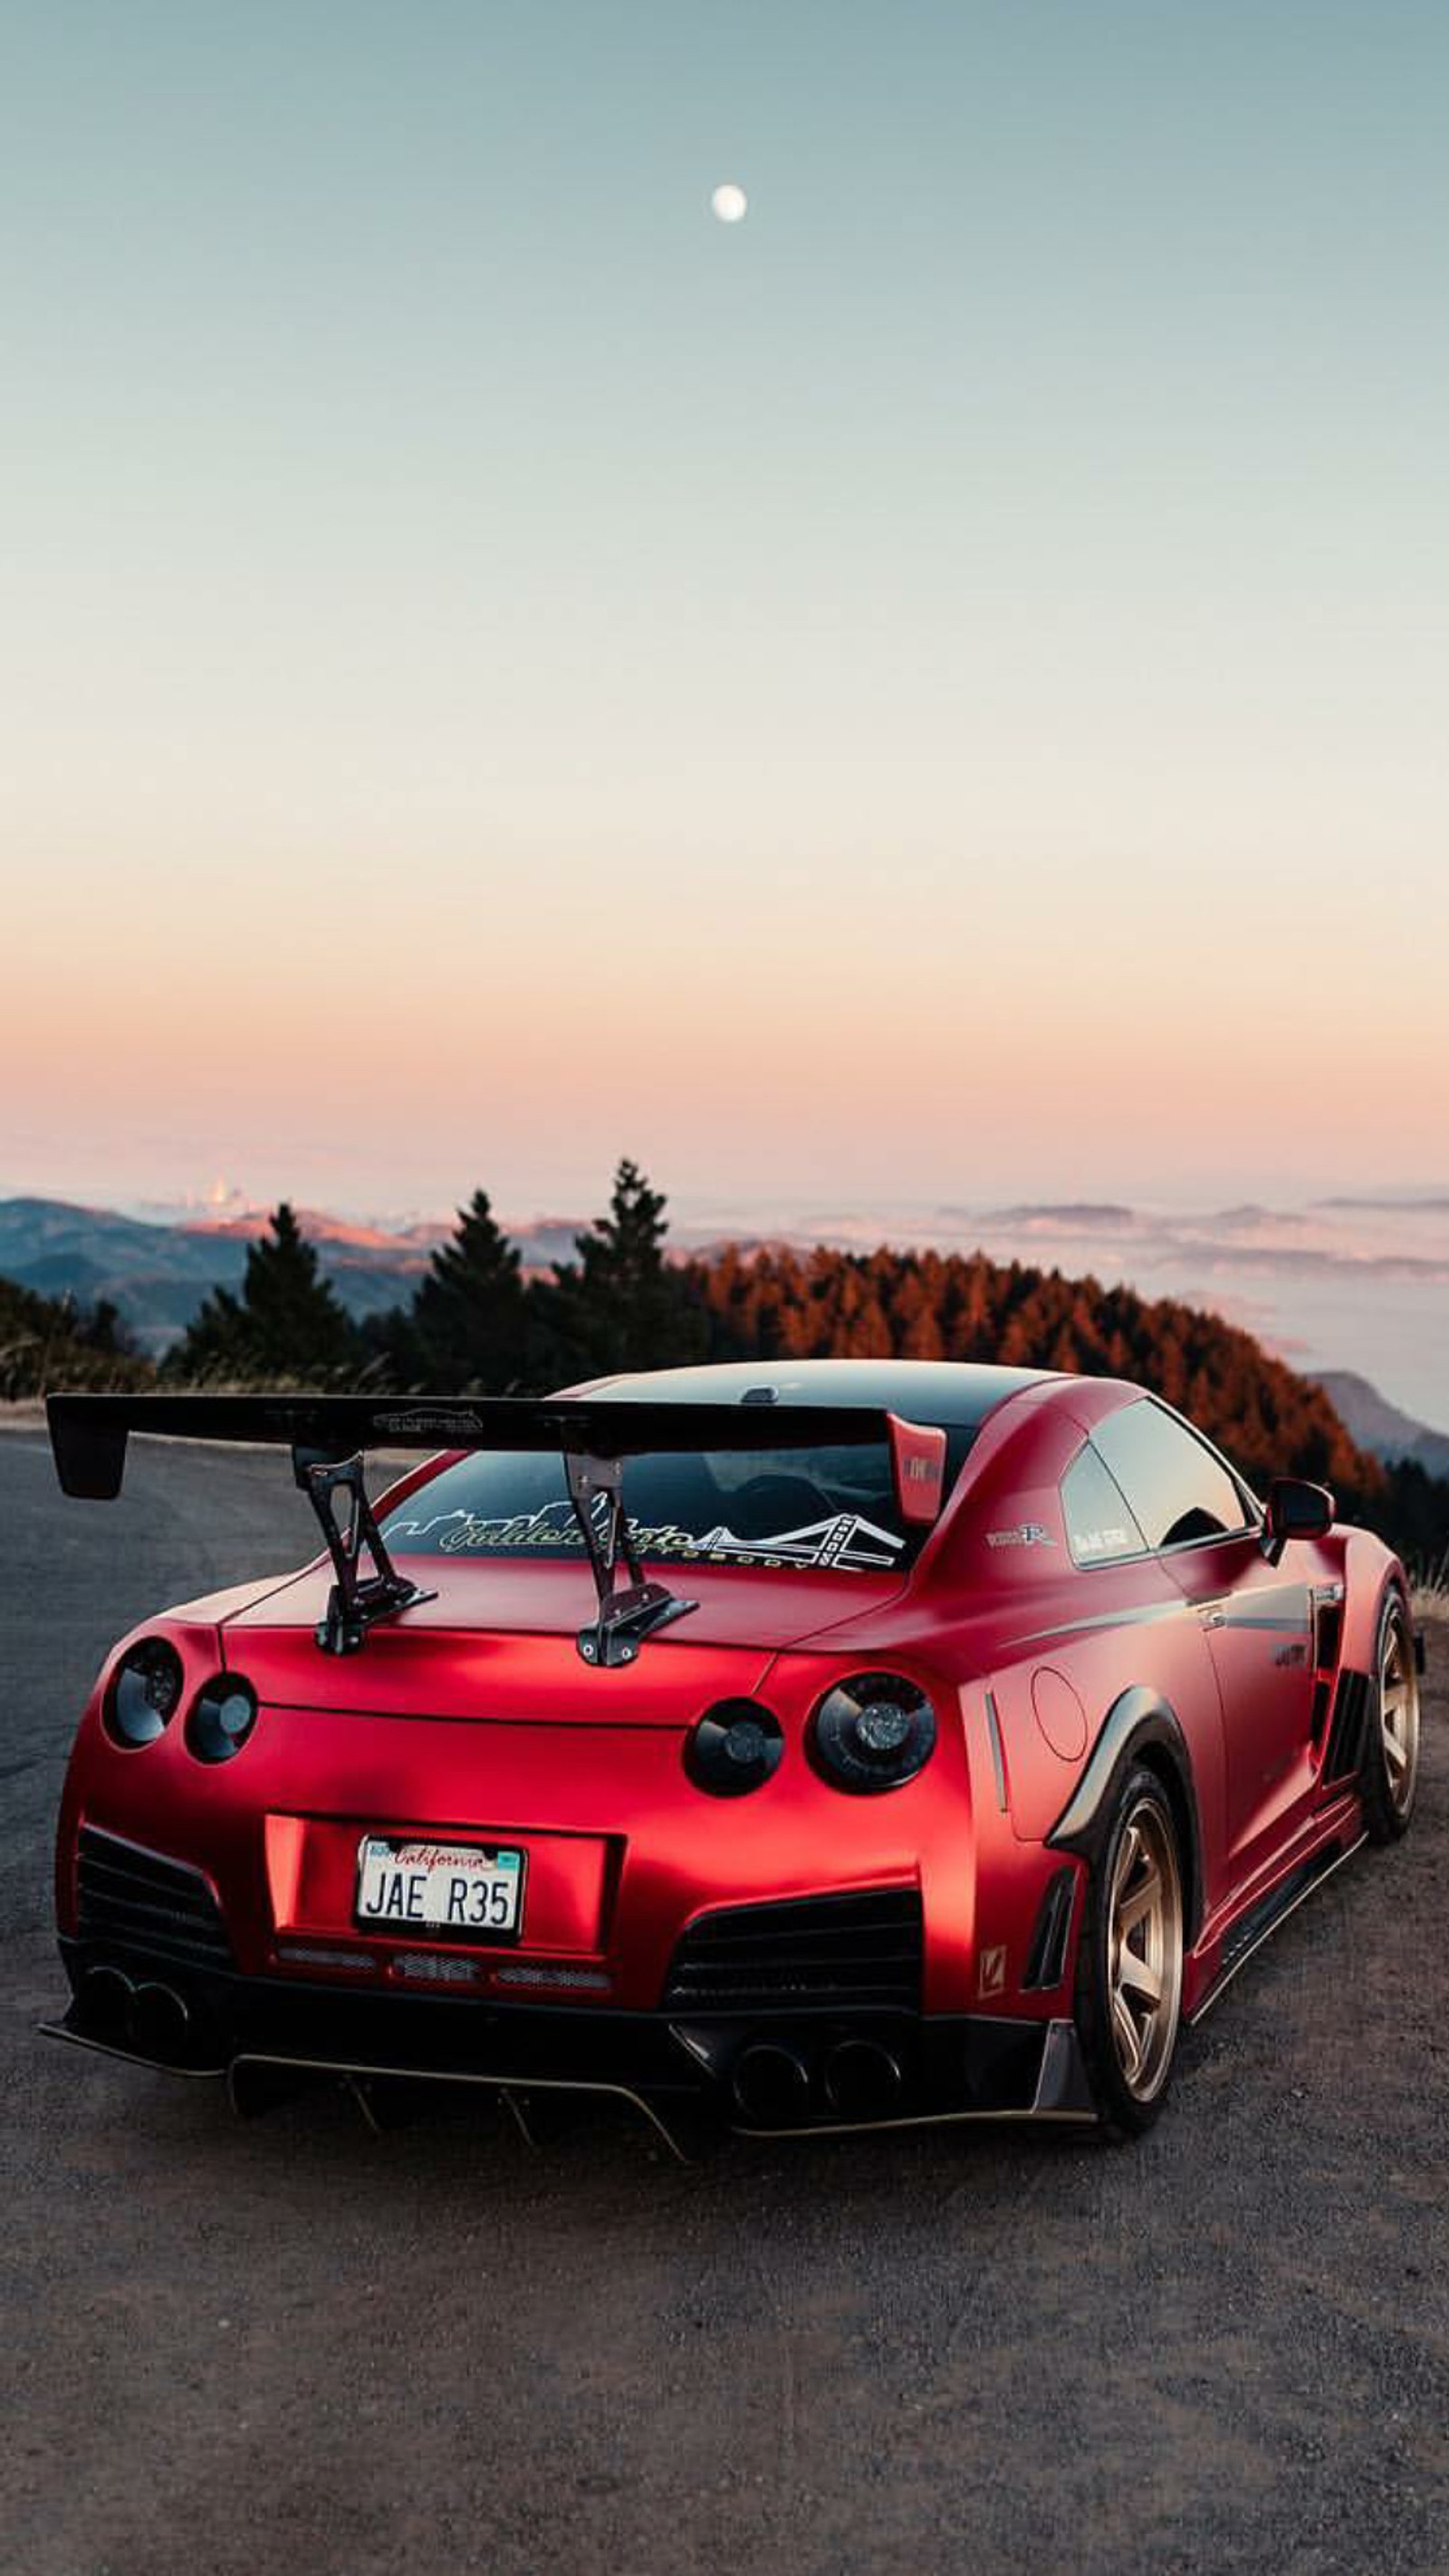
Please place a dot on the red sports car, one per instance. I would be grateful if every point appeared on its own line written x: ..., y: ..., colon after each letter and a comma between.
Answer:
x: 805, y: 1746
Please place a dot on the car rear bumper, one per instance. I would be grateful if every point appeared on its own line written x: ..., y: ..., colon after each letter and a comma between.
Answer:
x: 762, y: 2073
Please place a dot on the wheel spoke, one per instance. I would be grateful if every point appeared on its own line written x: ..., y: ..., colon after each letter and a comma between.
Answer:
x: 1129, y: 2045
x: 1145, y: 1900
x: 1144, y: 1948
x: 1398, y: 1716
x: 1140, y: 1976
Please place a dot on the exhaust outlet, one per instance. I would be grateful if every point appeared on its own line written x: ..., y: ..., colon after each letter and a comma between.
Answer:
x: 158, y: 2024
x: 771, y: 2084
x: 862, y: 2080
x: 104, y: 1999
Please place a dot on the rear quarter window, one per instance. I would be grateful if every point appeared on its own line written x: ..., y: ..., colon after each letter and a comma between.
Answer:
x: 1100, y: 1527
x: 1178, y: 1492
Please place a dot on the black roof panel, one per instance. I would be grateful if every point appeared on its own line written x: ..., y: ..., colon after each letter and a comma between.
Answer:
x: 956, y: 1394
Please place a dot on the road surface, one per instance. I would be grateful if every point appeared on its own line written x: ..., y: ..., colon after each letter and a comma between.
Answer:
x: 291, y: 2344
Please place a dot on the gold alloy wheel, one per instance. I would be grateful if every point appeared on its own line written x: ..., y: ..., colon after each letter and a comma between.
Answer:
x: 1399, y: 1712
x: 1144, y: 1949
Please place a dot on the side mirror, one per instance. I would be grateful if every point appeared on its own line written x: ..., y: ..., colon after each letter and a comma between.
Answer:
x: 1295, y: 1510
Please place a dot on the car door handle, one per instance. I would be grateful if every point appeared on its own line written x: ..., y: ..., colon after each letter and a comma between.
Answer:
x: 1212, y: 1614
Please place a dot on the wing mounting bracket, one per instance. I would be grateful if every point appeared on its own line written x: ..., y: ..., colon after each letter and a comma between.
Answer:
x: 338, y: 1495
x: 628, y: 1611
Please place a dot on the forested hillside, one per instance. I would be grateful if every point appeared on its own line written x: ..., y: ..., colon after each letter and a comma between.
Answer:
x: 478, y: 1323
x: 926, y: 1305
x: 50, y: 1341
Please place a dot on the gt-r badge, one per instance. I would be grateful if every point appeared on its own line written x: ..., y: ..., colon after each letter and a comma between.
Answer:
x: 1025, y: 1534
x: 991, y: 1977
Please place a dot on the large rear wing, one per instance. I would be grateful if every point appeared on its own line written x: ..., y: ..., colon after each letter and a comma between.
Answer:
x: 88, y: 1433
x: 328, y: 1435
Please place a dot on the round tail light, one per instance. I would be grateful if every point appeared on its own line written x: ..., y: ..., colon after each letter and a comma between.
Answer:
x: 144, y: 1692
x: 874, y: 1731
x: 735, y: 1747
x: 221, y: 1718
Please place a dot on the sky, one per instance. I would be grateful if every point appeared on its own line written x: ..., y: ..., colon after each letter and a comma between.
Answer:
x: 934, y: 691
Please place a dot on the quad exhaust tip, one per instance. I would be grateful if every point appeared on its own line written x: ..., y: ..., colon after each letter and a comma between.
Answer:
x: 777, y: 2086
x: 150, y: 2018
x: 772, y: 2084
x: 862, y: 2080
x: 105, y: 2002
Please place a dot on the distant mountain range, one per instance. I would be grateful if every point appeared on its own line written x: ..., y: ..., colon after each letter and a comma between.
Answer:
x: 1380, y: 1427
x: 157, y: 1275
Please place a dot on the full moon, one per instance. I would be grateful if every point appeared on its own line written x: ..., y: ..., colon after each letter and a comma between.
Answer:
x: 730, y: 203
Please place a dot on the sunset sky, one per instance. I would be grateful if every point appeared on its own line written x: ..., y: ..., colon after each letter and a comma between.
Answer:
x: 936, y: 689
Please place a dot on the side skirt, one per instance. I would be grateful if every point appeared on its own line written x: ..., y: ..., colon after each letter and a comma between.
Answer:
x: 1265, y: 1918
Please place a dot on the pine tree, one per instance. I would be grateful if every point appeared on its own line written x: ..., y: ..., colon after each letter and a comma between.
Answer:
x: 214, y: 1345
x: 622, y: 1304
x: 286, y: 1325
x: 469, y: 1315
x: 294, y: 1320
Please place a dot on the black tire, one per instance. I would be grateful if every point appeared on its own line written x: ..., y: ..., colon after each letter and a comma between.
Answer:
x: 1389, y: 1770
x: 1126, y: 2107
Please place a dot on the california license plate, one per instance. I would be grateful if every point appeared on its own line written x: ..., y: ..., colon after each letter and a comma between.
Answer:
x: 473, y: 1890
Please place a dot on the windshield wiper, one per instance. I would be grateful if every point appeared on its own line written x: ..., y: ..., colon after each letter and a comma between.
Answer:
x: 628, y: 1611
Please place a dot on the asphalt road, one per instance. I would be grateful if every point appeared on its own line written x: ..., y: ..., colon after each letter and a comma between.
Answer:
x: 289, y: 2343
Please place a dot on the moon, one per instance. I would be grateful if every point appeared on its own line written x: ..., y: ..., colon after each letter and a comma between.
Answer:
x: 730, y: 203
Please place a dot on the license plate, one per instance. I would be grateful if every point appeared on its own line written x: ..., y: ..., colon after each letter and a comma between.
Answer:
x: 473, y: 1890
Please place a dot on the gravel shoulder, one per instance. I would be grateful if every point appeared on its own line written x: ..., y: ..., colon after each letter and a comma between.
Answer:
x: 245, y: 2346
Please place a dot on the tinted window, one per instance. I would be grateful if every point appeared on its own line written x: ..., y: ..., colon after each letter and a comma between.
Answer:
x: 1099, y: 1525
x: 1175, y: 1486
x: 828, y: 1508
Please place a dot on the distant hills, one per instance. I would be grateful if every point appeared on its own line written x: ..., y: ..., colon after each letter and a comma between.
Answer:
x: 156, y: 1275
x: 1379, y: 1427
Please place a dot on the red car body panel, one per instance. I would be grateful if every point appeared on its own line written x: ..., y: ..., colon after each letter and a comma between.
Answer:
x: 469, y: 1717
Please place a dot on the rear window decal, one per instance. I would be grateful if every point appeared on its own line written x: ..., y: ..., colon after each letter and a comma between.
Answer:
x: 842, y: 1540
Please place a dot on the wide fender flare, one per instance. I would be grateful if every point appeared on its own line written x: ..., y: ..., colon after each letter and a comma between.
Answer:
x: 1140, y: 1725
x: 1371, y: 1572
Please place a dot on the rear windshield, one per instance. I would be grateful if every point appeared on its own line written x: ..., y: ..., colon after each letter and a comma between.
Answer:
x: 832, y: 1509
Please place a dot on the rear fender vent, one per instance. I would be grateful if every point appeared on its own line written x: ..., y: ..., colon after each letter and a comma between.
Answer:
x: 1047, y: 1958
x: 858, y: 1950
x: 1329, y: 1635
x: 133, y: 1899
x: 1346, y: 1733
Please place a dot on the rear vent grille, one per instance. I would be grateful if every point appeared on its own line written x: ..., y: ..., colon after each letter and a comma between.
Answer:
x: 135, y: 1900
x: 857, y: 1950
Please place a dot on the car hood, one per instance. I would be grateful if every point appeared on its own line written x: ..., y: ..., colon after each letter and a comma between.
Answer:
x: 498, y: 1640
